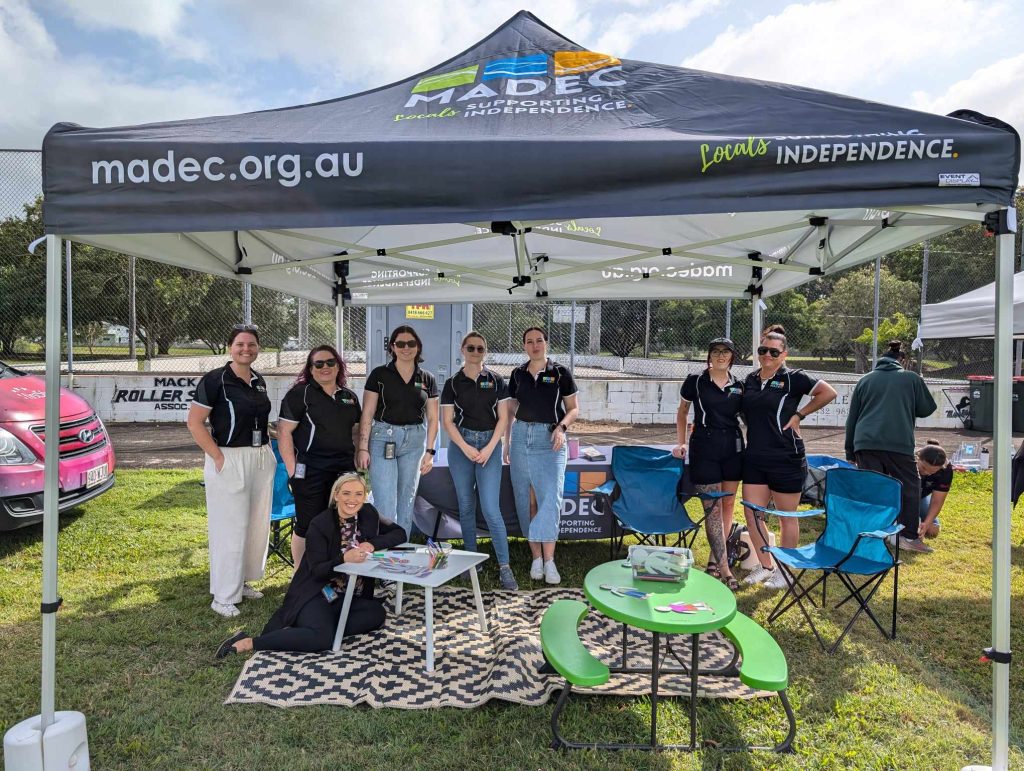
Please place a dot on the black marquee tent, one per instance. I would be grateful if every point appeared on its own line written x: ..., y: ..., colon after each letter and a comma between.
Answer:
x: 529, y: 166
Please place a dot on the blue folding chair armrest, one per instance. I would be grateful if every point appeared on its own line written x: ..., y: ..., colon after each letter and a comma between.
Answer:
x: 884, y: 533
x: 777, y: 513
x: 605, y: 488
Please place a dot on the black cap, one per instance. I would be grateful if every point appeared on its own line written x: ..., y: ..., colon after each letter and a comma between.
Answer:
x: 723, y: 341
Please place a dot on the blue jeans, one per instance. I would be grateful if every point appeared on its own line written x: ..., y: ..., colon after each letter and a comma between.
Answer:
x: 471, y: 478
x: 926, y: 503
x: 536, y: 465
x: 394, y: 482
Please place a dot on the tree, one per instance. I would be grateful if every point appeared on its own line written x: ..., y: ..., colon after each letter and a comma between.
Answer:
x: 622, y: 326
x: 899, y: 327
x: 851, y: 306
x: 22, y: 277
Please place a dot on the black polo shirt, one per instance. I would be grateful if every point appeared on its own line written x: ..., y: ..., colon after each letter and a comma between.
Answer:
x: 939, y: 482
x: 399, y: 402
x: 236, y: 408
x: 542, y: 398
x: 475, y: 401
x: 767, y: 407
x: 323, y: 425
x: 715, y: 408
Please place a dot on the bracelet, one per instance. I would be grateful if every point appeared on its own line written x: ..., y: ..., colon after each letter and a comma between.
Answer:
x: 800, y: 415
x: 432, y: 451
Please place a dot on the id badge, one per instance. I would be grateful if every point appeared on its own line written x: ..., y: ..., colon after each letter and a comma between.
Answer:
x: 300, y: 471
x: 257, y: 438
x: 389, y: 450
x: 329, y: 593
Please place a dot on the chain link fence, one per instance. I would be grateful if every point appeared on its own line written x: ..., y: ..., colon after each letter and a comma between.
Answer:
x: 131, y: 314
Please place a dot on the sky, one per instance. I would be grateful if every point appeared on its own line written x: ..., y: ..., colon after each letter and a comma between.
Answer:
x: 123, y: 62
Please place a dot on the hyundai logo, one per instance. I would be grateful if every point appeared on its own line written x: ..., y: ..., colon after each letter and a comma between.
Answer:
x: 85, y: 435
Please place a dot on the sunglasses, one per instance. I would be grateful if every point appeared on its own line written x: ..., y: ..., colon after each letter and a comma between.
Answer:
x: 325, y: 363
x: 245, y: 328
x: 476, y: 349
x: 720, y: 352
x: 764, y: 349
x: 405, y: 344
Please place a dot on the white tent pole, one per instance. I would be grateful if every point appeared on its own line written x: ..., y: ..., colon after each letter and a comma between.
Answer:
x: 1001, y: 509
x: 755, y: 325
x: 51, y: 479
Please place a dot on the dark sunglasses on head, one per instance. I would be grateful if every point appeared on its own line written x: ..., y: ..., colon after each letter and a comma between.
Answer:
x: 773, y: 352
x: 476, y: 349
x: 406, y: 344
x: 245, y: 328
x: 325, y: 363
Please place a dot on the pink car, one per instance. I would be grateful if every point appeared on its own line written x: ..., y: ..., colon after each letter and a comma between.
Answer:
x: 86, y: 455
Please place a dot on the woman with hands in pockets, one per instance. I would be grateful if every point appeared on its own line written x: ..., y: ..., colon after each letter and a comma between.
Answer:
x: 474, y: 412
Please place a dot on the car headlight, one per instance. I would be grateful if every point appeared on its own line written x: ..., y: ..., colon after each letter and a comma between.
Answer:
x: 13, y: 451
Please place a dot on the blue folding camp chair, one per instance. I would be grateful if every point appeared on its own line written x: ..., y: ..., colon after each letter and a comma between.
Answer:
x: 861, y: 508
x: 282, y: 511
x: 645, y: 497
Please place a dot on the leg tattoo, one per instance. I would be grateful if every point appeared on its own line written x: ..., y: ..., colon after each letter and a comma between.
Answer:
x: 713, y: 525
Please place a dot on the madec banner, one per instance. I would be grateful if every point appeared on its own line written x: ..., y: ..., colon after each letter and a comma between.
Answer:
x: 524, y: 125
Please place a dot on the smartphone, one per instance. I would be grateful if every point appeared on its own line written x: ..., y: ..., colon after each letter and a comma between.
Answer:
x: 329, y: 593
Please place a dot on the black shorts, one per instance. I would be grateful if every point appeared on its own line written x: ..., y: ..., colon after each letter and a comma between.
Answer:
x: 312, y: 495
x: 782, y: 474
x: 714, y: 457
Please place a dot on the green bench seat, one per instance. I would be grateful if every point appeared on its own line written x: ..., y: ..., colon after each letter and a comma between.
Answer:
x: 563, y: 648
x: 764, y: 664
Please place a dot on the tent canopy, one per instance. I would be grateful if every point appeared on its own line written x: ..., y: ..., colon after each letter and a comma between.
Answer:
x: 528, y: 166
x: 972, y: 314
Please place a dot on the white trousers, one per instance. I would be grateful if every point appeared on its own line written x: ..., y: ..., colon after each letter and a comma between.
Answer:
x: 238, y: 500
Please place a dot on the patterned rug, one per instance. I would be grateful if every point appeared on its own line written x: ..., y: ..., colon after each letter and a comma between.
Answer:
x: 386, y: 668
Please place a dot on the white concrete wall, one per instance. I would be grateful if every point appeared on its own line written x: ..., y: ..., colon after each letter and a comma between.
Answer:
x: 154, y: 398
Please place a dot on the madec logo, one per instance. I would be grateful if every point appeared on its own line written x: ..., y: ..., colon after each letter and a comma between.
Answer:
x: 563, y: 82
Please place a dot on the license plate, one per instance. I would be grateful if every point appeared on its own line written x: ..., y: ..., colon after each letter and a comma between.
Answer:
x: 98, y: 475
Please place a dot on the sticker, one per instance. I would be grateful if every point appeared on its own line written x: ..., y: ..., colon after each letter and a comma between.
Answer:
x: 961, y: 179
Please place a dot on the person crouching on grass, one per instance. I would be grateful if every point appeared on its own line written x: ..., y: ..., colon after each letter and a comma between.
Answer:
x: 349, y: 531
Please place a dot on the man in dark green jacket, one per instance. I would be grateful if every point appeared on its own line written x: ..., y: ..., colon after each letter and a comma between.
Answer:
x: 880, y: 432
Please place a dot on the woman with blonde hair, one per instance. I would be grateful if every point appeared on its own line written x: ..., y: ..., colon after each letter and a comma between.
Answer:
x: 348, y: 531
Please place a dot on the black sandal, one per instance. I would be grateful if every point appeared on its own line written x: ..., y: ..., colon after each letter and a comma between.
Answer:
x: 712, y: 570
x: 732, y: 583
x: 228, y: 646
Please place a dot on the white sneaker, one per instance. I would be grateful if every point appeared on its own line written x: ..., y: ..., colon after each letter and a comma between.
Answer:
x: 249, y: 593
x: 551, y: 573
x: 537, y: 569
x: 759, y: 574
x: 225, y: 609
x: 775, y: 580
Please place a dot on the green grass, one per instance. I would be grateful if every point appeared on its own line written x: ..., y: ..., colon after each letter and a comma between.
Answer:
x: 136, y: 637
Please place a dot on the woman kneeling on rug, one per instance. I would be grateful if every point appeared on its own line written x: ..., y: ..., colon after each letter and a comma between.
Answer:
x: 348, y: 531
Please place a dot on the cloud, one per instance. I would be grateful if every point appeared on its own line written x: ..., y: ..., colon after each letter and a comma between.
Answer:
x: 41, y: 87
x: 626, y: 28
x: 161, y: 20
x: 381, y: 42
x: 842, y: 45
x: 993, y: 90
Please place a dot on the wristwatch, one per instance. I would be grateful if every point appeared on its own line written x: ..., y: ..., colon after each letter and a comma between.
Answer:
x: 432, y: 451
x: 800, y: 415
x: 555, y: 426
